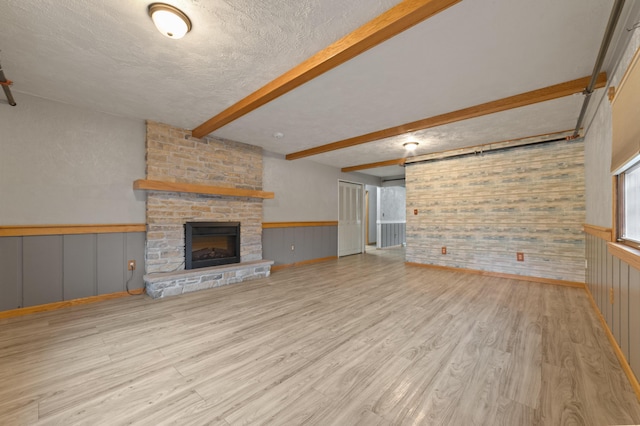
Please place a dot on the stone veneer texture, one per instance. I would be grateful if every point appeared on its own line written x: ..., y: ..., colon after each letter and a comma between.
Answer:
x: 485, y: 208
x: 174, y: 155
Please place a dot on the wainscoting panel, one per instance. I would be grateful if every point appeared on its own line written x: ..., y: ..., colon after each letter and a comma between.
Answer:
x: 134, y: 250
x: 111, y: 263
x: 609, y: 276
x: 634, y: 320
x: 309, y: 243
x: 624, y: 310
x: 392, y: 234
x: 10, y: 273
x: 42, y: 270
x: 79, y: 266
x: 36, y: 270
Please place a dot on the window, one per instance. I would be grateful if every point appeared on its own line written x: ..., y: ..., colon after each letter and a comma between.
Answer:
x: 629, y: 206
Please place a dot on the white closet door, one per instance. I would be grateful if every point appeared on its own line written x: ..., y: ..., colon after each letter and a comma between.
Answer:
x: 350, y: 220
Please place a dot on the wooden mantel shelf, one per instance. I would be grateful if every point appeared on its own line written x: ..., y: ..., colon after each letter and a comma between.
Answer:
x: 159, y: 185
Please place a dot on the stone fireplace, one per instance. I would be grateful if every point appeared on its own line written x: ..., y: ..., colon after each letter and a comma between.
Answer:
x: 174, y: 156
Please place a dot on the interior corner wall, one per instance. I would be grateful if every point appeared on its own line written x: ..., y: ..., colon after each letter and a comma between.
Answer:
x: 598, y: 183
x: 305, y: 191
x: 598, y: 139
x: 62, y: 164
x: 607, y: 275
x: 487, y: 208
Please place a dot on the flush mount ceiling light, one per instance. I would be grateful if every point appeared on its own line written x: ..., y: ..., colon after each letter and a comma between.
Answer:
x: 410, y: 146
x: 169, y: 20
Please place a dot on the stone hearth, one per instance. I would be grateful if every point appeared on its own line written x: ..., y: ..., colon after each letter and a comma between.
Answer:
x: 165, y: 284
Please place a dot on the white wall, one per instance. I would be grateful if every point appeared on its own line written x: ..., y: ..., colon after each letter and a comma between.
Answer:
x: 60, y: 164
x: 393, y: 204
x: 304, y: 190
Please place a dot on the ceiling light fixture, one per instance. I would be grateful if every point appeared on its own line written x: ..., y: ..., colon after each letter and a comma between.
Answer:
x: 410, y: 146
x: 169, y: 20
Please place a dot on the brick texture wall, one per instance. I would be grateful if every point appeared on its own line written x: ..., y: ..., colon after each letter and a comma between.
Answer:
x: 486, y: 208
x: 174, y: 155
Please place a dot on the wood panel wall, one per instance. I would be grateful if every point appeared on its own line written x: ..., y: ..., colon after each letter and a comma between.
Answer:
x: 392, y: 234
x: 486, y: 208
x: 309, y: 243
x: 610, y: 279
x: 43, y: 269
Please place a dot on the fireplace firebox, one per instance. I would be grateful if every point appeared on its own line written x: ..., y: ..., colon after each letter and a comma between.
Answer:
x: 211, y: 244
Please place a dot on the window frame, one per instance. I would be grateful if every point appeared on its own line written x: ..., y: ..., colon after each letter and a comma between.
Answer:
x: 619, y: 205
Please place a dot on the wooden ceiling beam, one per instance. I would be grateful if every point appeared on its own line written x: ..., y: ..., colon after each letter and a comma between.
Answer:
x: 523, y: 99
x: 392, y: 22
x: 396, y: 162
x: 439, y: 155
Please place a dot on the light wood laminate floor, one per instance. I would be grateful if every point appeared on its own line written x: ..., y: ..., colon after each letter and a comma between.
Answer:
x: 362, y: 340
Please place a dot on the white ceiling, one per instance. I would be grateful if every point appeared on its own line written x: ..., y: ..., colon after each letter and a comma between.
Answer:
x: 108, y: 56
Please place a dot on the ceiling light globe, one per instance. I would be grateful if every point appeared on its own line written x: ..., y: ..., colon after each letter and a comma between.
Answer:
x: 170, y: 21
x: 410, y: 146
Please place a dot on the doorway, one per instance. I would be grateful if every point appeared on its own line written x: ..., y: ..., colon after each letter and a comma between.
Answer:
x: 350, y: 218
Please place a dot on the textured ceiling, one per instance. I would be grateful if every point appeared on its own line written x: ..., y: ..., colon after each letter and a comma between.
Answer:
x: 109, y: 57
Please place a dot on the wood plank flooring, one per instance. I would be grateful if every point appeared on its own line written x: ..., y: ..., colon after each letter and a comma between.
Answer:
x: 364, y: 340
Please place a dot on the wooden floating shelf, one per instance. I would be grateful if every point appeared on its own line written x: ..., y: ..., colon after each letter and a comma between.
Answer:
x: 159, y: 185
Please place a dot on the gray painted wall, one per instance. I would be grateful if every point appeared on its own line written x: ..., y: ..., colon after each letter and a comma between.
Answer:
x: 392, y: 234
x: 372, y: 214
x: 606, y: 272
x: 45, y: 269
x: 60, y: 164
x: 309, y: 242
x: 304, y: 191
x: 598, y: 188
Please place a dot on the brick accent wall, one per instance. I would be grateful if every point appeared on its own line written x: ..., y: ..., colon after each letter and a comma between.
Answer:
x: 174, y: 155
x: 486, y: 208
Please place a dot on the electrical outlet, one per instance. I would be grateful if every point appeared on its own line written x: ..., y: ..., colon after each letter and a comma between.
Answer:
x: 444, y: 250
x: 520, y: 257
x: 131, y: 265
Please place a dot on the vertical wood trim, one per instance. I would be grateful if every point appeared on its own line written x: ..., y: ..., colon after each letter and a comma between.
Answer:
x: 95, y: 265
x: 621, y: 358
x: 614, y: 207
x: 625, y: 331
x: 20, y: 274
